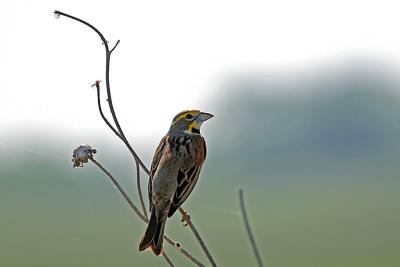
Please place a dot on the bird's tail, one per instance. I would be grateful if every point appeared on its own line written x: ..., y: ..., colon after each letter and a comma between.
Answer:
x: 153, y: 237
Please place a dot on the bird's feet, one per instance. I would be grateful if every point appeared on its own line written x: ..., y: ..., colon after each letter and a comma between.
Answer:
x: 185, y: 217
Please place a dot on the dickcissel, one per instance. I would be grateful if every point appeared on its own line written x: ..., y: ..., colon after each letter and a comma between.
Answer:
x: 174, y: 172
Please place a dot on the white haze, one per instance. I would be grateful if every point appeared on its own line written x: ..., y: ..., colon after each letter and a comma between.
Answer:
x: 173, y: 55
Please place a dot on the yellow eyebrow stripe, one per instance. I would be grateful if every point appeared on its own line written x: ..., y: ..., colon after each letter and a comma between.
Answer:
x: 184, y: 113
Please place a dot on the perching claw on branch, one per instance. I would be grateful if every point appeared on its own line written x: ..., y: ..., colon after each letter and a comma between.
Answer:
x: 82, y: 155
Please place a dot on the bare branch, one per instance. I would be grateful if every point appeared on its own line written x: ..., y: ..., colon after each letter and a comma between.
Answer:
x: 97, y: 84
x: 184, y: 252
x: 141, y: 216
x: 168, y: 260
x: 109, y: 100
x: 248, y: 229
x: 198, y: 237
x: 121, y: 190
x: 140, y: 189
x: 115, y: 46
x: 121, y: 133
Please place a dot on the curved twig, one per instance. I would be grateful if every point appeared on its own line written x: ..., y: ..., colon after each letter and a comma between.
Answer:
x: 141, y: 216
x: 121, y: 133
x: 115, y: 46
x: 168, y: 260
x: 109, y: 98
x: 97, y: 84
x: 140, y: 189
x: 248, y: 229
x: 198, y: 237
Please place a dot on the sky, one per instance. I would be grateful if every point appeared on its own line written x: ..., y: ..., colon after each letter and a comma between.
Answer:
x: 173, y: 55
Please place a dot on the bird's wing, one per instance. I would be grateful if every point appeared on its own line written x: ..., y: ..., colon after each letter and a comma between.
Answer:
x: 154, y: 165
x: 188, y: 175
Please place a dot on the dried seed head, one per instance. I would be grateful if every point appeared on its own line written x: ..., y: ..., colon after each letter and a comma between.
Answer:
x: 82, y: 154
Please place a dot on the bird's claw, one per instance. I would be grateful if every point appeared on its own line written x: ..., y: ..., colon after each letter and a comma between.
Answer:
x: 185, y: 218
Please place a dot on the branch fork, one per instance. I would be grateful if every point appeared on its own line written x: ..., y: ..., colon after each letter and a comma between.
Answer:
x: 85, y: 153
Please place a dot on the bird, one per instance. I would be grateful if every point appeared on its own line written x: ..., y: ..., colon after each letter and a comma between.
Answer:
x: 174, y: 172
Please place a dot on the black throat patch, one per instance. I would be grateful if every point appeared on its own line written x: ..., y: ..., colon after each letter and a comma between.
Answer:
x: 194, y: 130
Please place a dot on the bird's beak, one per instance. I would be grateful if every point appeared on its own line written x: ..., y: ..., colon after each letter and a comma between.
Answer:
x: 203, y: 116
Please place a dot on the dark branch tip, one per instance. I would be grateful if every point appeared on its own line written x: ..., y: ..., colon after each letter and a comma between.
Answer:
x: 121, y: 135
x: 115, y: 46
x: 97, y: 84
x: 57, y: 14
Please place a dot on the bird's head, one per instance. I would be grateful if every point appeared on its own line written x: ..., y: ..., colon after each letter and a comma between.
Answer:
x: 189, y: 122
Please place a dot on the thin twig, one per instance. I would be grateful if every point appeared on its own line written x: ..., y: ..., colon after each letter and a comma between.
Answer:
x: 109, y: 98
x: 121, y: 190
x: 121, y: 133
x: 184, y: 252
x: 248, y: 229
x: 140, y: 189
x: 115, y: 46
x: 97, y: 84
x: 141, y: 216
x: 168, y: 260
x: 198, y: 237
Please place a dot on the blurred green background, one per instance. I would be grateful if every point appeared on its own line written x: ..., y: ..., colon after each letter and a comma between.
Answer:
x: 317, y: 155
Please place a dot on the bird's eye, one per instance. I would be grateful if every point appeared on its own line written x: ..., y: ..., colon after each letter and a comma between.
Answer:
x: 189, y: 116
